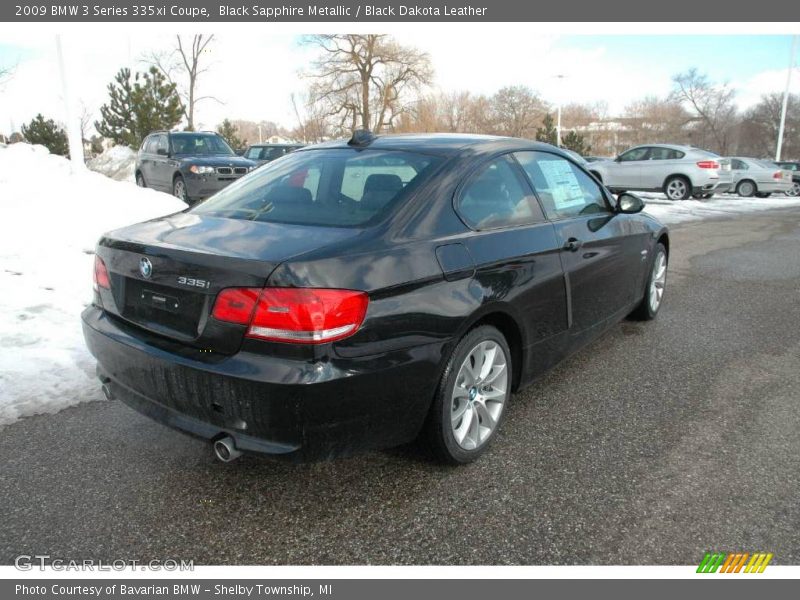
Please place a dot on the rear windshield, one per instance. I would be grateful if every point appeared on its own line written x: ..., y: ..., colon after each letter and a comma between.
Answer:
x: 336, y: 187
x: 199, y: 145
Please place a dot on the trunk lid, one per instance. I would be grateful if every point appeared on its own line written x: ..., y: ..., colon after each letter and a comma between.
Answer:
x: 165, y: 274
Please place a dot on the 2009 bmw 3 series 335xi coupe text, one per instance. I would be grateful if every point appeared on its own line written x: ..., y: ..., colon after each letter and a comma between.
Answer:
x: 359, y: 294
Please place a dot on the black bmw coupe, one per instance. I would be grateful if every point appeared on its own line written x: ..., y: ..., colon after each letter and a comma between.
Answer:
x: 360, y: 294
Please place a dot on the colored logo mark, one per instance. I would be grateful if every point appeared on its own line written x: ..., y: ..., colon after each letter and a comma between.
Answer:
x: 734, y: 562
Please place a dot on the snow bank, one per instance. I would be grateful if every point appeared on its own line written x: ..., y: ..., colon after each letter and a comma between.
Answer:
x: 725, y: 205
x: 51, y: 220
x: 117, y: 163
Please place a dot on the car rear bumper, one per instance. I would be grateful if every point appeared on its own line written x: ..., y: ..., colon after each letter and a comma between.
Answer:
x: 279, y: 406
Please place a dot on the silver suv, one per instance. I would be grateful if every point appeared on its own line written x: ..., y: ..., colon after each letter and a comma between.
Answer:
x: 677, y: 171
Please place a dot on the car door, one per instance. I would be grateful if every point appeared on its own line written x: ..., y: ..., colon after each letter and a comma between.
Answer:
x: 162, y: 169
x: 738, y: 169
x: 601, y: 250
x: 515, y: 251
x: 626, y: 171
x: 661, y: 163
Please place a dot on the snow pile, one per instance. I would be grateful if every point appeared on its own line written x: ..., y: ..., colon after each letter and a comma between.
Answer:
x: 718, y: 207
x: 51, y: 221
x: 117, y: 163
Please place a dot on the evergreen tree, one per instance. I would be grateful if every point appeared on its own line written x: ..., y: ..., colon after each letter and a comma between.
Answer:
x: 575, y: 142
x: 230, y: 133
x: 547, y: 132
x: 137, y: 106
x: 46, y: 133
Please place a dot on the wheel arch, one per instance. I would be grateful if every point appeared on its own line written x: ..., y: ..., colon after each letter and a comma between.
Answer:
x: 510, y: 327
x: 677, y: 174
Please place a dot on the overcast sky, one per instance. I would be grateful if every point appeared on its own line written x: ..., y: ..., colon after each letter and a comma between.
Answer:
x: 254, y: 75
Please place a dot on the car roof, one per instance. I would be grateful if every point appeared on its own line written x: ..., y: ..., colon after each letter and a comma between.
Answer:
x: 275, y: 145
x: 437, y: 143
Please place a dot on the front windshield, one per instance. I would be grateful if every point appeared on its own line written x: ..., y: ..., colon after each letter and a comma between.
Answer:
x: 198, y: 144
x: 334, y: 187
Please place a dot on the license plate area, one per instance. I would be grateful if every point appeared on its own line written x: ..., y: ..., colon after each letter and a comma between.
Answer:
x: 160, y: 301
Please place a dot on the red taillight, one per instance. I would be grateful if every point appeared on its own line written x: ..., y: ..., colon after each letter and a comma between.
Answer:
x: 299, y: 315
x: 101, y: 279
x: 777, y: 175
x: 236, y: 305
x: 708, y: 164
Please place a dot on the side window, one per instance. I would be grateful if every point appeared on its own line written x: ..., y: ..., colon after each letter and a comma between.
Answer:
x: 563, y: 188
x: 496, y: 197
x: 161, y: 143
x: 635, y: 154
x: 658, y: 153
x: 252, y: 153
x: 738, y: 165
x: 149, y: 145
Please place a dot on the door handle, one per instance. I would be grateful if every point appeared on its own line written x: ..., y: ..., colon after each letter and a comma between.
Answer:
x: 573, y: 244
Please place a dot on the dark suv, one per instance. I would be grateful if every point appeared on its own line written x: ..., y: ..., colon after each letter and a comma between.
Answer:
x: 264, y: 153
x: 190, y: 165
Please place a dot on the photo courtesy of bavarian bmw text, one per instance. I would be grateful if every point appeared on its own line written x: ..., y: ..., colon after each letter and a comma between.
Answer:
x: 347, y: 299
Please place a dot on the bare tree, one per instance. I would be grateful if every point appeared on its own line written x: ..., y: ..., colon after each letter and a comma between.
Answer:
x: 183, y: 66
x: 364, y: 80
x: 517, y: 111
x: 711, y: 104
x: 652, y: 119
x: 758, y: 133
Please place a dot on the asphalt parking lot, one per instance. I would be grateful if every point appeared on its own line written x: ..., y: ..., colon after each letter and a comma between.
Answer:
x: 655, y: 444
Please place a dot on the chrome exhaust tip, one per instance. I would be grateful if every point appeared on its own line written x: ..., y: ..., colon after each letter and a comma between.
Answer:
x: 225, y: 450
x: 107, y: 391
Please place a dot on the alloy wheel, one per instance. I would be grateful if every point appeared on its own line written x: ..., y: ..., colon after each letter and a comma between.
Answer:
x: 658, y: 281
x: 676, y: 189
x: 479, y: 395
x: 179, y: 190
x: 746, y: 189
x: 795, y: 189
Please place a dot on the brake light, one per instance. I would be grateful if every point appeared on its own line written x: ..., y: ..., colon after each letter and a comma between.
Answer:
x: 235, y: 305
x: 708, y: 164
x: 298, y: 315
x: 100, y: 276
x: 777, y: 175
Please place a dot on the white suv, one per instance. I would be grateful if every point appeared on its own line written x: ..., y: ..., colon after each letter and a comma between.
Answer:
x: 677, y: 171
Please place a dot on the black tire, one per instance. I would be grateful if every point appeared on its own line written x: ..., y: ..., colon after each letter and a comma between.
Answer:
x: 140, y: 182
x: 763, y: 194
x: 645, y: 310
x: 438, y: 431
x: 179, y: 189
x: 677, y: 187
x: 746, y: 188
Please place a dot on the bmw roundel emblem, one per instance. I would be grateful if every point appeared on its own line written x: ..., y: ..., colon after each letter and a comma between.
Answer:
x: 145, y: 268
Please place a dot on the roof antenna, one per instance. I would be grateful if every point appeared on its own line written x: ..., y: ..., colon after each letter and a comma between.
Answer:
x: 361, y: 137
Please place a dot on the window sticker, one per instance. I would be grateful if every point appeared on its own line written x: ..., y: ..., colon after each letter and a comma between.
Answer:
x: 563, y: 184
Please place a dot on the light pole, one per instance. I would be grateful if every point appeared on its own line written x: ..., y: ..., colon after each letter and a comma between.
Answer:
x: 779, y: 146
x: 561, y: 78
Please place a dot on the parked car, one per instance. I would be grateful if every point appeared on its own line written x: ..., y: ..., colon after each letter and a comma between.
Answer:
x: 264, y: 153
x: 794, y: 167
x: 190, y: 165
x: 354, y: 295
x: 679, y: 172
x: 760, y: 178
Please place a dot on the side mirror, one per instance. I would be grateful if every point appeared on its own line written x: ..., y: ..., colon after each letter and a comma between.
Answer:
x: 162, y: 152
x: 628, y: 203
x: 618, y: 159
